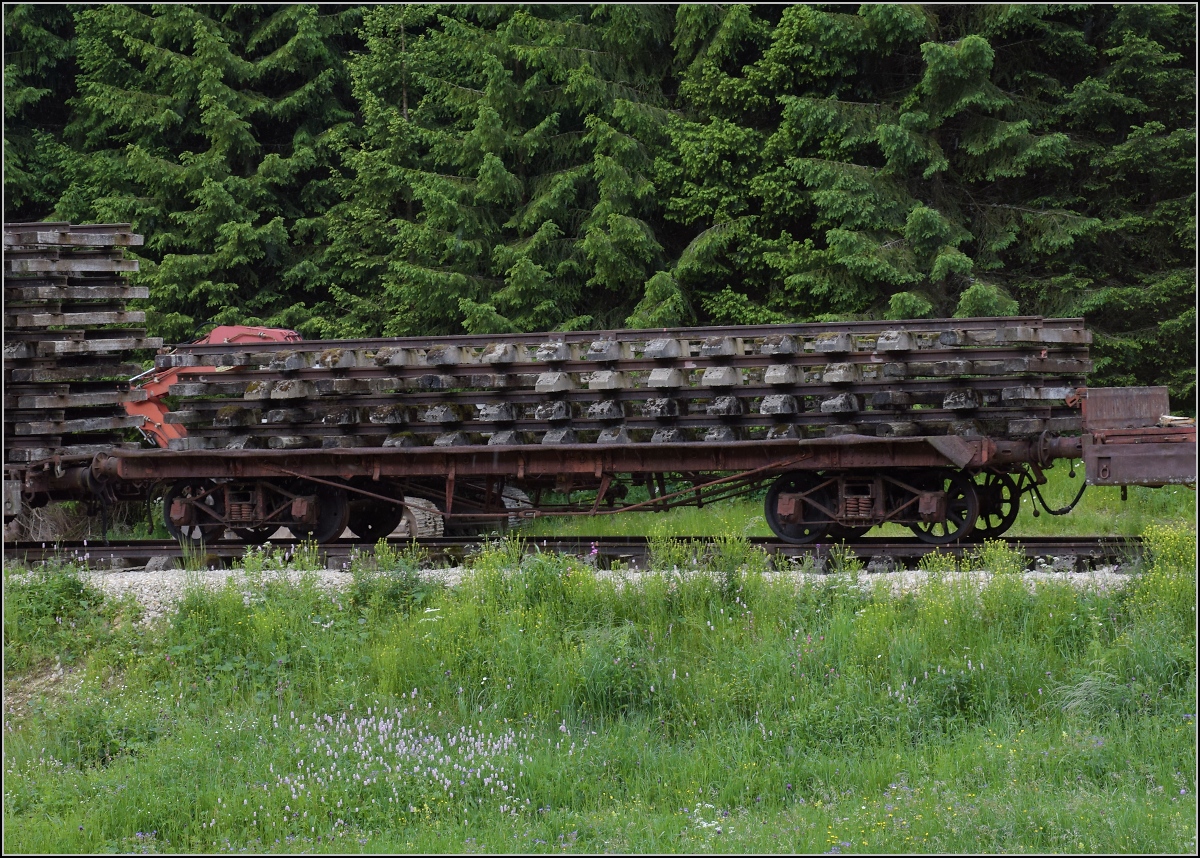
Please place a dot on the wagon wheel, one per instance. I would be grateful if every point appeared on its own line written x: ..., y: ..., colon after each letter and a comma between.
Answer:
x: 333, y: 511
x: 962, y: 509
x: 200, y: 512
x: 999, y: 504
x: 375, y: 520
x: 816, y: 523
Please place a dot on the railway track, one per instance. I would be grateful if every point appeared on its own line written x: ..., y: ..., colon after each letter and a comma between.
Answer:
x: 632, y: 550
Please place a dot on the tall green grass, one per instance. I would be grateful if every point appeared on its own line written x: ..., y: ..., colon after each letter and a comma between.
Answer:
x: 542, y: 706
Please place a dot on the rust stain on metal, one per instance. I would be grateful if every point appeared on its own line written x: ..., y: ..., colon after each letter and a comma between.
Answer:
x: 1123, y: 407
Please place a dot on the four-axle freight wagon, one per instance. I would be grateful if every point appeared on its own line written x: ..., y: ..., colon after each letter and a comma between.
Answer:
x: 940, y: 425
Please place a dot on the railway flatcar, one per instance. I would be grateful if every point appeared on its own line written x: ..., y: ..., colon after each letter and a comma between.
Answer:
x: 940, y: 425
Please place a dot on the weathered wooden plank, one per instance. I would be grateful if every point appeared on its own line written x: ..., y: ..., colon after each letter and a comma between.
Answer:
x: 72, y: 265
x: 71, y: 238
x: 96, y: 346
x: 1018, y: 334
x: 67, y: 399
x: 47, y: 448
x: 90, y: 424
x: 1035, y: 394
x: 81, y: 372
x: 44, y: 320
x: 17, y: 291
x: 57, y: 448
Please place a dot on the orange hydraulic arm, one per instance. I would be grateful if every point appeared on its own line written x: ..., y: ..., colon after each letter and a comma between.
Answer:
x: 157, y: 382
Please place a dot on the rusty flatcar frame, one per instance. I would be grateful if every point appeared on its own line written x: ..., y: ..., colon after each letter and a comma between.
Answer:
x: 719, y: 464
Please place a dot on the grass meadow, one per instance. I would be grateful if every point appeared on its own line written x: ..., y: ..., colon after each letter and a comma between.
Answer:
x: 542, y: 707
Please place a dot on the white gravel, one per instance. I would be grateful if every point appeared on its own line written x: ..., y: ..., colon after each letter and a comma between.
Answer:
x: 159, y: 590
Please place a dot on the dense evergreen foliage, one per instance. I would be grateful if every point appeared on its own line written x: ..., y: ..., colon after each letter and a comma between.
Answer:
x: 404, y: 169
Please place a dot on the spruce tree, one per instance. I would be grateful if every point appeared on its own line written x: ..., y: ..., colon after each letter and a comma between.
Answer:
x: 826, y: 188
x: 503, y: 182
x: 903, y: 161
x: 39, y: 82
x: 209, y: 129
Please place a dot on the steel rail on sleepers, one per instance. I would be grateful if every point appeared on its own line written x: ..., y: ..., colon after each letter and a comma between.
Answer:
x: 1008, y: 378
x: 632, y: 550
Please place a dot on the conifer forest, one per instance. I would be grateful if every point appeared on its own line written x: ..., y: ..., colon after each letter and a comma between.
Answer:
x: 388, y: 170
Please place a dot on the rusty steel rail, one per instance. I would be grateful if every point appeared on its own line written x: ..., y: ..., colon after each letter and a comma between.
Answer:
x: 985, y: 326
x: 632, y: 550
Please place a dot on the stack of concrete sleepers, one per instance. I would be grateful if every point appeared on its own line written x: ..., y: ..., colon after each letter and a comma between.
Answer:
x: 1005, y: 378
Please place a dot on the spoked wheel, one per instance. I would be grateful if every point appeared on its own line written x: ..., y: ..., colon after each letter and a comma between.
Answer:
x: 193, y: 512
x: 333, y: 511
x: 962, y: 509
x: 808, y: 523
x: 375, y: 520
x: 999, y: 504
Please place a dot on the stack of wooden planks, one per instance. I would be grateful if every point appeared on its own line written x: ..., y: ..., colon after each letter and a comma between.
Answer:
x: 67, y: 335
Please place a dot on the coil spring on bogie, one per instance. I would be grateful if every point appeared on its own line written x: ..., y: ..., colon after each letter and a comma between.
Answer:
x: 241, y: 511
x: 859, y: 507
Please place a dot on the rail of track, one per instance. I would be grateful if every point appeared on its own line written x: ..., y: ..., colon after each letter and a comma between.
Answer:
x: 632, y: 550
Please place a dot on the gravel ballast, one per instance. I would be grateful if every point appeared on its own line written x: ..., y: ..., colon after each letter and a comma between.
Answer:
x: 159, y: 590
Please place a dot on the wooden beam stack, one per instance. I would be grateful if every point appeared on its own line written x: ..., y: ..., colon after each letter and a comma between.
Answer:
x: 67, y: 335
